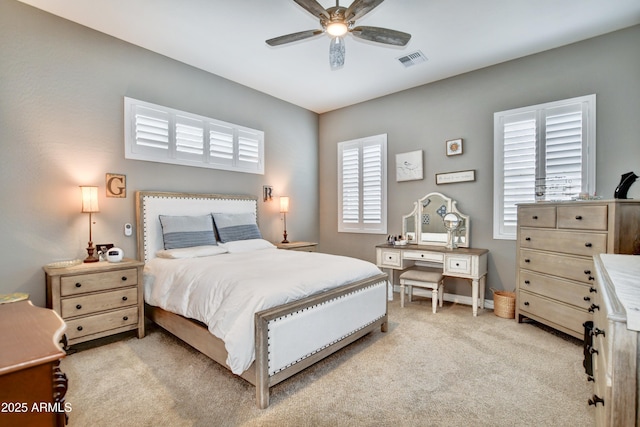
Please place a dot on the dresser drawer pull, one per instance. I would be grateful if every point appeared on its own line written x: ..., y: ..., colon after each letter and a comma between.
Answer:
x: 579, y: 217
x: 79, y: 328
x: 124, y: 278
x: 592, y: 278
x: 535, y: 217
x: 587, y: 272
x: 595, y: 400
x: 587, y: 298
x: 124, y: 298
x: 125, y: 318
x: 597, y: 331
x: 528, y: 239
x: 592, y: 350
x: 78, y: 285
x: 592, y: 289
x: 527, y: 260
x: 593, y: 308
x: 590, y: 378
x: 79, y: 307
x: 527, y: 282
x: 526, y: 303
x: 588, y: 244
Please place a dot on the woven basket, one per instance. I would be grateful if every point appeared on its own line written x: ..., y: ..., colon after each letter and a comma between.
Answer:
x: 504, y: 304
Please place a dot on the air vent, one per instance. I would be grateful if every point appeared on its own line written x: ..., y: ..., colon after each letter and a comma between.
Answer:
x: 412, y: 59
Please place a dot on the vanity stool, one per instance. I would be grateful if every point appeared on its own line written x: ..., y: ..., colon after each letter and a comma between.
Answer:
x: 430, y: 278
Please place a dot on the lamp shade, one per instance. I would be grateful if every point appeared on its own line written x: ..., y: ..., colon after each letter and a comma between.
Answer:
x: 284, y: 204
x: 89, y: 199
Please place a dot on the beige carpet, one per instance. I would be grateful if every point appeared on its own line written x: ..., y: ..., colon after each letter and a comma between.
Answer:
x: 447, y: 369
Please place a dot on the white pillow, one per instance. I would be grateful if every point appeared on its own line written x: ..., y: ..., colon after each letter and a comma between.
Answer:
x: 192, y: 252
x: 246, y: 245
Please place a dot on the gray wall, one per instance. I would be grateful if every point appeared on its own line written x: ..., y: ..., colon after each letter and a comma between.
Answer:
x: 462, y: 107
x: 61, y: 125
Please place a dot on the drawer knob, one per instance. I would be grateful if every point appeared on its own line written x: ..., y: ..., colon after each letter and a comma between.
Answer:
x: 125, y: 318
x: 528, y: 239
x: 587, y: 298
x: 595, y: 400
x: 527, y: 260
x: 535, y: 217
x: 592, y: 278
x: 527, y: 282
x: 124, y: 298
x: 588, y: 244
x: 590, y: 378
x: 592, y: 350
x: 592, y: 289
x: 421, y: 255
x: 79, y: 328
x: 593, y: 308
x: 78, y: 285
x: 124, y: 278
x: 587, y: 272
x: 579, y: 217
x: 597, y: 331
x: 79, y: 307
x: 457, y: 264
x: 526, y: 303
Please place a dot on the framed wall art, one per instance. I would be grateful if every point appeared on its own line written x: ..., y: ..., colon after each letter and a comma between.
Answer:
x: 451, y: 177
x: 409, y: 166
x: 454, y: 147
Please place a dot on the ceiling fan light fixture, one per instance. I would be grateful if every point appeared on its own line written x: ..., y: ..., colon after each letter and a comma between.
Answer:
x: 336, y: 53
x: 337, y: 29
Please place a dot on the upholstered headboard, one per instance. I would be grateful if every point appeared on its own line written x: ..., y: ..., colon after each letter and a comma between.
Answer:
x: 151, y: 204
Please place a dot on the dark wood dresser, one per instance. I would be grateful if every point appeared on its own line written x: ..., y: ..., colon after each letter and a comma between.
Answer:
x: 32, y: 387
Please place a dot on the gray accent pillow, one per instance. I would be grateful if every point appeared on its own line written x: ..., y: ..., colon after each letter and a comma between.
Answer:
x: 187, y: 231
x: 239, y: 226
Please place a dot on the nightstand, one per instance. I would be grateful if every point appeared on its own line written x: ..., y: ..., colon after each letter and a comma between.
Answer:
x: 298, y: 246
x: 97, y: 299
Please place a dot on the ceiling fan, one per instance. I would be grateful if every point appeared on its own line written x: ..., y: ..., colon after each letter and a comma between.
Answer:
x: 337, y: 22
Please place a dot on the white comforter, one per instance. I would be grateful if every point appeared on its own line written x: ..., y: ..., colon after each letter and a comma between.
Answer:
x: 225, y: 291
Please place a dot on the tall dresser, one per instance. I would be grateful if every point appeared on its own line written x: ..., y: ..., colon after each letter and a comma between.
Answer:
x: 556, y: 245
x: 611, y: 356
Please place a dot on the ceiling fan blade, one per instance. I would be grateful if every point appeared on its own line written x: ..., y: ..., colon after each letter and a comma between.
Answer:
x: 277, y: 41
x: 359, y: 8
x: 382, y: 35
x: 314, y: 8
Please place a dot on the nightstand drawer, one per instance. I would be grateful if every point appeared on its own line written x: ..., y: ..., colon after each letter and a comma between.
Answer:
x: 78, y: 306
x: 389, y: 258
x: 80, y: 284
x: 90, y: 325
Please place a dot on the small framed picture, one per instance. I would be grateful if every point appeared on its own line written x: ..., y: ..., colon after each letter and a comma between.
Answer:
x: 454, y: 147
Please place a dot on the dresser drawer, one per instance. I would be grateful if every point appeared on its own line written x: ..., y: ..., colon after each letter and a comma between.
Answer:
x: 73, y: 285
x: 537, y: 216
x: 583, y: 217
x: 78, y: 306
x: 569, y: 267
x: 571, y: 292
x: 458, y: 264
x: 568, y: 242
x: 423, y: 256
x: 556, y: 312
x: 90, y: 325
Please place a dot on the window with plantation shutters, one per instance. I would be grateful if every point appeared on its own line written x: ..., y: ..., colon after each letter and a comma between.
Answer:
x: 542, y: 153
x: 362, y: 185
x: 160, y: 134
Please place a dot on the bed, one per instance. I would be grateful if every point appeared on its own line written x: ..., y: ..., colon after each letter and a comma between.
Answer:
x: 290, y: 309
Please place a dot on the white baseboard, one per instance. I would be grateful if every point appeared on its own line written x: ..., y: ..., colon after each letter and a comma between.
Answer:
x: 458, y: 299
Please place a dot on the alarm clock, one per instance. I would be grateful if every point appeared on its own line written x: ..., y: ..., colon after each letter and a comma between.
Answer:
x: 115, y: 254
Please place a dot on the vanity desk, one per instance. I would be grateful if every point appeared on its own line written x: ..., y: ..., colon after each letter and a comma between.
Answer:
x: 438, y: 236
x: 465, y: 263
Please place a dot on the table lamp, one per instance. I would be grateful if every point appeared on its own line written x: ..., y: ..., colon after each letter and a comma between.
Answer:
x: 284, y: 208
x: 90, y: 205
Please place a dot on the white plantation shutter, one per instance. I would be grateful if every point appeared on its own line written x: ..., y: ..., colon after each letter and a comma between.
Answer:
x: 543, y: 152
x: 362, y: 185
x: 160, y: 134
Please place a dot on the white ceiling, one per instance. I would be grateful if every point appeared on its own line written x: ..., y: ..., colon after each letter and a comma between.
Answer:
x: 227, y: 38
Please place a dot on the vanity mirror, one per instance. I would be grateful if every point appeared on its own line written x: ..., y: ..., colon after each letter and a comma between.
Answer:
x: 426, y: 222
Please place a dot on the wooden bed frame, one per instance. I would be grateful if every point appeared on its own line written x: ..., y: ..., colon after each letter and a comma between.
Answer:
x: 307, y: 312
